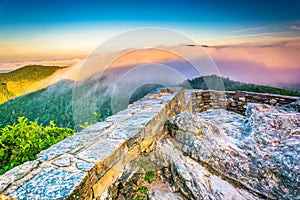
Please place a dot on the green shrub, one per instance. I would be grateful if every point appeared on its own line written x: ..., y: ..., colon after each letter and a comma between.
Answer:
x: 143, y: 190
x: 149, y: 177
x: 22, y: 141
x: 99, y: 118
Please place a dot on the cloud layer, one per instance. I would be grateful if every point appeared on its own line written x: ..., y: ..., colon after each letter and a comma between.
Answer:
x: 276, y: 65
x: 272, y: 65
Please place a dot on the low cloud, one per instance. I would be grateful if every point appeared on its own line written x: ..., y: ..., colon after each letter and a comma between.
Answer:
x: 276, y: 64
x: 271, y: 64
x: 10, y: 66
x: 248, y: 29
x: 253, y: 35
x: 277, y: 56
x: 295, y: 28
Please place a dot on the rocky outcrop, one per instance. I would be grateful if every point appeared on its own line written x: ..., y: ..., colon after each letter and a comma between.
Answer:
x: 257, y: 154
x: 196, y: 181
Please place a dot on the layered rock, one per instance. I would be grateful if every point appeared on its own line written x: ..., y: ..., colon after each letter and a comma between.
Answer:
x: 259, y: 153
x: 196, y: 181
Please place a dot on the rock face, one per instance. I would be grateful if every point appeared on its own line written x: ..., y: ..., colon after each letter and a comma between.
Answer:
x: 257, y: 155
x: 196, y: 181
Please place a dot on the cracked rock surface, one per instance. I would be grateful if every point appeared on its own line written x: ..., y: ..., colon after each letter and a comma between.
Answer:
x: 230, y: 156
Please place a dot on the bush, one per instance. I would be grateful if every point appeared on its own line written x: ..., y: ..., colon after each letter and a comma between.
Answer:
x: 22, y: 141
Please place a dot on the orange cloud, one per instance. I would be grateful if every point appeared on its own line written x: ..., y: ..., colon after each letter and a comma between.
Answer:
x: 141, y: 56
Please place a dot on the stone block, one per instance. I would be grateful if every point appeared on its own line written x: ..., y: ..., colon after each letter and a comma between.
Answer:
x: 109, y: 177
x: 16, y: 174
x: 132, y: 154
x: 242, y: 99
x: 103, y: 153
x: 60, y: 148
x: 3, y: 197
x: 147, y: 142
x: 128, y: 131
x: 51, y: 183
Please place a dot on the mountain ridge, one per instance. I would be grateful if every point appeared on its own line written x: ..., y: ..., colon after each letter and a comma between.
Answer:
x: 23, y: 80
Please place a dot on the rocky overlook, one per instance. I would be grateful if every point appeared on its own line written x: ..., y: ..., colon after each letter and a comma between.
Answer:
x: 174, y: 144
x: 231, y: 156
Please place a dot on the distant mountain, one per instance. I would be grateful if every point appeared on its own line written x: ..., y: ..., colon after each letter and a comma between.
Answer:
x: 23, y: 80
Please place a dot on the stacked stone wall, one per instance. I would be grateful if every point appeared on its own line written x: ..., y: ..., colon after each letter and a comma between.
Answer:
x: 83, y: 166
x: 235, y: 101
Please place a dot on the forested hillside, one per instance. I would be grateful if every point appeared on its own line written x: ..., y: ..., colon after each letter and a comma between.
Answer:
x: 55, y: 103
x: 22, y: 80
x: 230, y: 85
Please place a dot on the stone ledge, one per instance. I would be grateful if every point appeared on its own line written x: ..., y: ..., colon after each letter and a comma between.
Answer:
x: 83, y: 166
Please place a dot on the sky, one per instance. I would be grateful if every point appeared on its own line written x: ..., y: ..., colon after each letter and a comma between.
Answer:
x: 255, y: 37
x: 59, y: 27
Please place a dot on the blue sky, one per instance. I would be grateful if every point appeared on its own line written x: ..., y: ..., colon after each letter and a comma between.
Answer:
x: 215, y: 11
x: 60, y: 26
